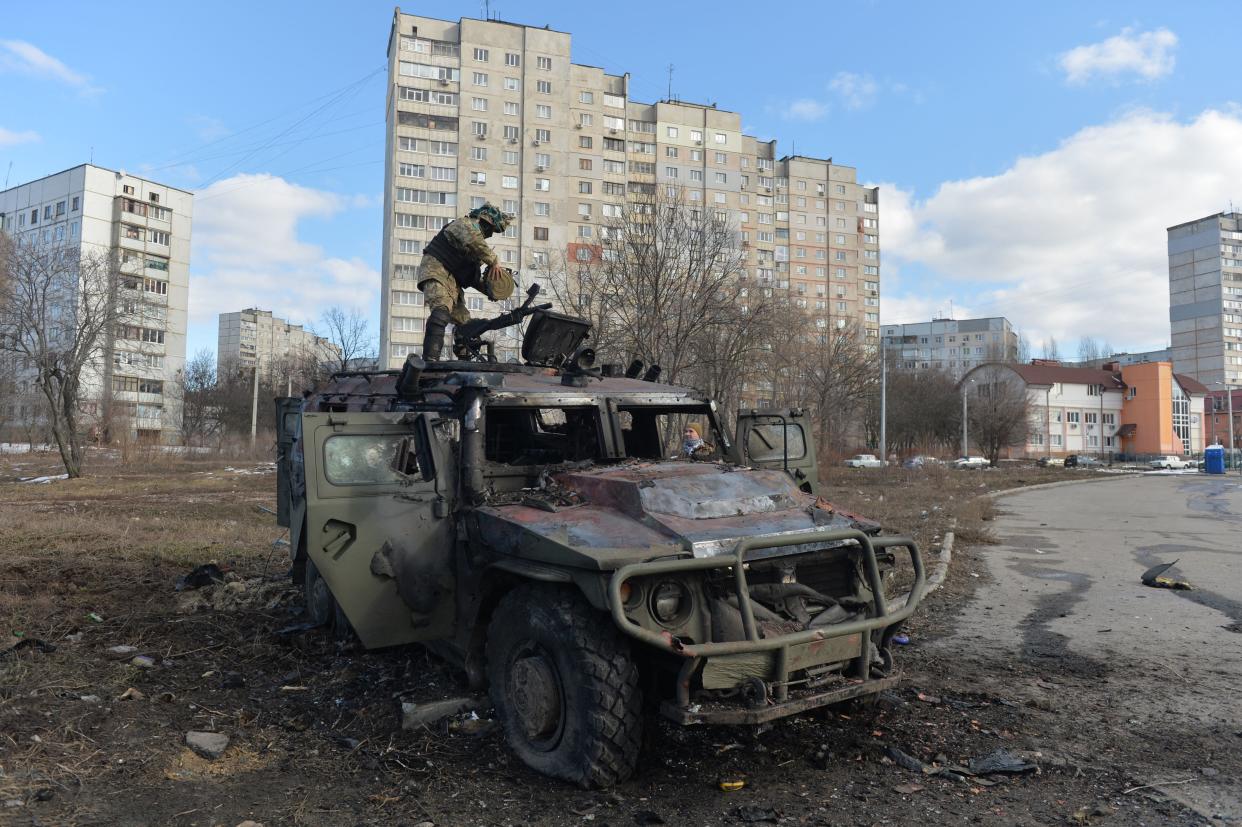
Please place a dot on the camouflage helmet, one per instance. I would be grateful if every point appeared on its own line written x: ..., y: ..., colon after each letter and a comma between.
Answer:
x: 492, y: 215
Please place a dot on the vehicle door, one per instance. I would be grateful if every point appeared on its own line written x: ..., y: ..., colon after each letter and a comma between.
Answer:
x: 288, y: 430
x: 778, y: 439
x: 381, y: 539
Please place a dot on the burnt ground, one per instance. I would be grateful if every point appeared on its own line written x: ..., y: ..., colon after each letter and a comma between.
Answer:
x: 313, y: 725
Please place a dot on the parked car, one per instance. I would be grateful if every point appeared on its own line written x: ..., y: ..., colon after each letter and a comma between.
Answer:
x: 1050, y: 462
x: 1171, y: 462
x: 1082, y: 461
x: 921, y: 461
x: 864, y: 461
x: 971, y: 462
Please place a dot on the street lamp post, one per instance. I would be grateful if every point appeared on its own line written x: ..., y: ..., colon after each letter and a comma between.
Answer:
x: 1228, y: 417
x: 965, y: 421
x: 254, y: 405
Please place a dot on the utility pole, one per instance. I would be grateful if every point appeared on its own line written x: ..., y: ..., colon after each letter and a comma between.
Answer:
x: 883, y: 407
x: 1229, y: 398
x: 965, y: 441
x: 254, y: 405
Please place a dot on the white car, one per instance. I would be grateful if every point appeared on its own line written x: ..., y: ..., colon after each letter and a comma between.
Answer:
x: 864, y: 461
x: 971, y: 462
x: 1171, y: 462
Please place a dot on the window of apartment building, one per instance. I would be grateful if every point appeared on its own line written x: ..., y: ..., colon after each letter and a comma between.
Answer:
x: 157, y: 286
x: 585, y: 141
x: 542, y: 159
x: 871, y: 270
x: 584, y: 187
x: 407, y: 324
x: 642, y: 146
x: 47, y: 212
x: 584, y: 231
x: 672, y: 131
x: 670, y: 152
x: 407, y: 298
x: 513, y: 59
x: 720, y: 137
x: 585, y: 119
x: 543, y: 87
x: 1072, y: 417
x: 614, y: 101
x: 509, y: 182
x: 511, y: 133
x: 543, y: 135
x: 670, y: 172
x: 696, y: 175
x: 643, y: 126
x: 541, y: 234
x: 478, y: 104
x: 584, y: 210
x: 1110, y: 419
x: 512, y: 108
x: 409, y: 145
x: 409, y: 246
x: 127, y: 189
x: 60, y: 208
x: 478, y: 178
x: 478, y: 128
x: 613, y: 188
x: 480, y: 55
x: 543, y: 184
x: 614, y: 145
x: 480, y: 79
x: 584, y: 163
x: 543, y: 110
x: 544, y: 63
x: 511, y: 156
x: 512, y: 84
x: 443, y: 147
x: 586, y: 97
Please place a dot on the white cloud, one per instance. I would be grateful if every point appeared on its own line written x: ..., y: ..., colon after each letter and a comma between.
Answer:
x: 248, y: 252
x: 1149, y: 55
x: 10, y: 138
x: 856, y: 91
x: 1072, y: 242
x: 805, y: 109
x: 29, y: 59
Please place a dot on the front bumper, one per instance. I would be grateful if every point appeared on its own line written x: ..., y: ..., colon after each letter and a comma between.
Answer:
x: 785, y: 653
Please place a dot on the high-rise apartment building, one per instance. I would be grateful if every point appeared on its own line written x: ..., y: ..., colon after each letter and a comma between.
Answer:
x: 1205, y: 298
x: 952, y: 345
x: 253, y: 336
x: 146, y: 226
x: 486, y: 110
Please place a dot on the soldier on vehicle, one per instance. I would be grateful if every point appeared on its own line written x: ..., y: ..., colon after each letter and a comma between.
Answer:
x: 451, y: 263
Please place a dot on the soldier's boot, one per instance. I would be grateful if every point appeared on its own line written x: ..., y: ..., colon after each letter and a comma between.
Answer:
x: 433, y: 338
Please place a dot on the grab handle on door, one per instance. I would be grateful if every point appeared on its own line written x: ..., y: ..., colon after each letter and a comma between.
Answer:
x: 344, y: 536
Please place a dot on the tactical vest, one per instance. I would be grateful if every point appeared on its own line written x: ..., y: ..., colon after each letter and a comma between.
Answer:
x: 459, y: 265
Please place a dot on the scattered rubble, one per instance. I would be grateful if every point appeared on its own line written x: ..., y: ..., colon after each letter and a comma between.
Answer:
x: 209, y: 745
x: 415, y: 715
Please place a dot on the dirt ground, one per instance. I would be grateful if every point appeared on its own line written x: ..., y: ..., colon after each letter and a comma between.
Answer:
x: 89, y: 737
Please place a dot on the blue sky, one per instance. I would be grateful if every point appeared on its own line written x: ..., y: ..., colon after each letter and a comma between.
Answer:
x: 1031, y: 156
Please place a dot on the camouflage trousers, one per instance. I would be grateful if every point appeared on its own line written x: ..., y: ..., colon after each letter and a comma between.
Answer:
x: 440, y: 289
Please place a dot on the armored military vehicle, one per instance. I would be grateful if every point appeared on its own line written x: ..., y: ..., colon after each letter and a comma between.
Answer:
x: 527, y: 522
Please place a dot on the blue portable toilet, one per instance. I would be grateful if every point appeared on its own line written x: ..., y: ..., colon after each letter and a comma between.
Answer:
x: 1214, y: 459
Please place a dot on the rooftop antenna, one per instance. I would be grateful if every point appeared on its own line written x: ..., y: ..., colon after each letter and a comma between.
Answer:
x: 7, y: 174
x: 670, y: 81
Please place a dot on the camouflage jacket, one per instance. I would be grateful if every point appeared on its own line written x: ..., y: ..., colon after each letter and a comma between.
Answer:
x: 466, y: 239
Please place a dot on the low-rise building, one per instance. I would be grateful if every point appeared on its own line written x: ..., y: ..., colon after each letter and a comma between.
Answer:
x: 1125, y: 411
x: 1217, y: 408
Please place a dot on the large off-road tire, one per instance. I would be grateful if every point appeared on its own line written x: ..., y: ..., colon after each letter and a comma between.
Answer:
x: 317, y: 598
x: 322, y: 608
x: 564, y: 686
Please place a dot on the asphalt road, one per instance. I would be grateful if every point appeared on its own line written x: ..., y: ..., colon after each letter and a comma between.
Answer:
x: 1146, y: 679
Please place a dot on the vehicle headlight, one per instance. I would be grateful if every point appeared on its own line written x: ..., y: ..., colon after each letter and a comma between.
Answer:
x: 670, y: 602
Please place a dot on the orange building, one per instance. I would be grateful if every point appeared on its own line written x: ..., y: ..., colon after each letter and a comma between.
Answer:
x: 1162, y: 412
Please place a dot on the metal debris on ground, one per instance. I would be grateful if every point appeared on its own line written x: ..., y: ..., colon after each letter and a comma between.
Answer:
x: 1000, y: 761
x: 1154, y: 578
x: 29, y: 643
x: 203, y: 575
x: 753, y: 814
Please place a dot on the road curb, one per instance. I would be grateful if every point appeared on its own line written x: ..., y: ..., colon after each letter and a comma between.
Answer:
x: 936, y: 579
x: 993, y: 495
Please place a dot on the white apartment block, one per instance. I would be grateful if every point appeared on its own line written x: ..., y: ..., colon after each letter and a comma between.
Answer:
x: 146, y: 225
x: 1205, y: 298
x: 486, y: 110
x: 951, y: 345
x: 252, y: 335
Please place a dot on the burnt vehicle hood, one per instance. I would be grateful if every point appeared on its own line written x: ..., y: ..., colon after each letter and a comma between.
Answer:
x: 640, y: 511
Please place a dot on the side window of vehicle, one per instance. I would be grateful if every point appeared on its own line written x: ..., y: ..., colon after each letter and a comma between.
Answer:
x: 360, y: 459
x: 767, y: 441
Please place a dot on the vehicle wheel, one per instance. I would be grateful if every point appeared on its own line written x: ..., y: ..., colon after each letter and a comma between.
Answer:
x: 564, y: 687
x: 316, y: 596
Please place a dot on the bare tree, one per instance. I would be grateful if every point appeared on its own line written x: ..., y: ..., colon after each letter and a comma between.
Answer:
x: 58, y: 309
x: 1024, y: 349
x: 1050, y: 349
x: 349, y: 331
x: 999, y: 410
x: 663, y: 275
x: 924, y: 410
x: 197, y: 389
